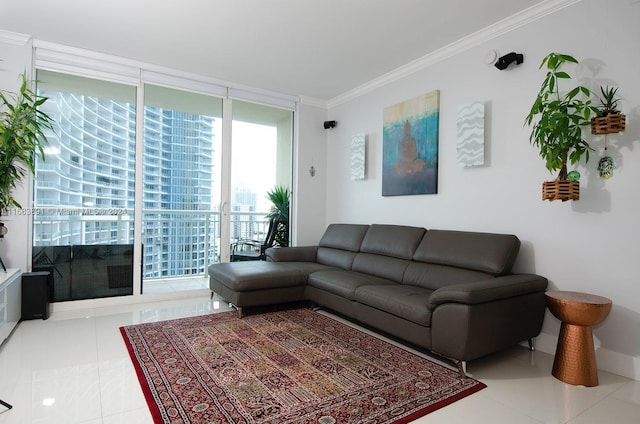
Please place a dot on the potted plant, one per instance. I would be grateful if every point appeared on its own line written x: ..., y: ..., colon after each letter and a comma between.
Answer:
x: 279, y: 212
x: 609, y: 120
x: 22, y: 126
x: 557, y: 120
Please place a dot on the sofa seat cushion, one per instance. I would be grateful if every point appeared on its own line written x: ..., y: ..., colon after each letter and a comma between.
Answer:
x: 262, y: 275
x: 343, y: 283
x: 404, y: 301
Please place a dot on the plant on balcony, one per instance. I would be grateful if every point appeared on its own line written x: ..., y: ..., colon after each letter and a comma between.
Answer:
x: 22, y: 126
x: 557, y: 121
x: 279, y: 197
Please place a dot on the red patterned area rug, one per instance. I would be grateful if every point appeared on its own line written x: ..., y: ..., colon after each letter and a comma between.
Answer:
x: 294, y: 366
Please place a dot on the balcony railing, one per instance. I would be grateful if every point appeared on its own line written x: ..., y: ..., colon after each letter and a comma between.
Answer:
x: 176, y: 243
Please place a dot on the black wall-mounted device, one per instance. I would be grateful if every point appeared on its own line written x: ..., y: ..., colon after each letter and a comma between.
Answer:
x: 330, y: 124
x: 506, y: 60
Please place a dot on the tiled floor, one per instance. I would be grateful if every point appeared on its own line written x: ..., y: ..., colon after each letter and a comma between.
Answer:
x: 74, y: 368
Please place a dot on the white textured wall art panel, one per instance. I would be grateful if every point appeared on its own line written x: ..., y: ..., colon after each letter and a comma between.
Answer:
x: 358, y: 156
x: 470, y: 148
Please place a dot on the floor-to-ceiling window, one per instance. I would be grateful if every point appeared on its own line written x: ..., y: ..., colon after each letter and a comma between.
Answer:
x: 157, y: 183
x: 84, y: 189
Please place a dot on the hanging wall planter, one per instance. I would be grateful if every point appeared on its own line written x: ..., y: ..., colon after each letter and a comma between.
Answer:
x: 609, y: 119
x: 557, y: 120
x: 610, y: 124
x: 561, y: 190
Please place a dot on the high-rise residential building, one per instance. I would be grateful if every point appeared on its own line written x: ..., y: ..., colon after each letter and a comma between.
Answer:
x: 84, y: 190
x: 244, y: 201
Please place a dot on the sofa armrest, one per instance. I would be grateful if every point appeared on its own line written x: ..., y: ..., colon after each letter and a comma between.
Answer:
x: 292, y: 254
x: 502, y: 287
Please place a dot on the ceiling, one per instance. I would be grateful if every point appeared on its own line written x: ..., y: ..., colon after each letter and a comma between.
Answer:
x: 319, y: 49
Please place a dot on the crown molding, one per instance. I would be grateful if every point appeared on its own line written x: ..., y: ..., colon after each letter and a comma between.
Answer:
x: 502, y: 27
x: 60, y: 57
x: 14, y: 38
x: 314, y: 101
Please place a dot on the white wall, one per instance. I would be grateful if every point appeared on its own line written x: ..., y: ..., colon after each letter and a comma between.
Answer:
x: 310, y: 191
x: 590, y: 245
x: 15, y: 53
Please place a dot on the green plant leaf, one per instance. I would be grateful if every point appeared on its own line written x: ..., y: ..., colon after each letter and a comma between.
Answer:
x: 279, y: 197
x: 22, y: 136
x: 567, y: 58
x: 557, y: 119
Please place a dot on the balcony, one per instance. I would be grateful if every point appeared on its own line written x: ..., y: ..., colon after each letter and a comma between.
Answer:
x: 179, y: 245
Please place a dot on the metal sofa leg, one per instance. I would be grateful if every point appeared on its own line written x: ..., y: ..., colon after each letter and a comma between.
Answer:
x: 237, y: 308
x: 460, y: 365
x: 462, y: 368
x: 532, y: 344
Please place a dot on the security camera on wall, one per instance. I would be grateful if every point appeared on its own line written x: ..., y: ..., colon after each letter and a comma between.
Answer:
x: 506, y: 60
x: 493, y: 58
x: 330, y: 124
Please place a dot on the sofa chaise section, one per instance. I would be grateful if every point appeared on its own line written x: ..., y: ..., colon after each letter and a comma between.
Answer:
x: 261, y: 283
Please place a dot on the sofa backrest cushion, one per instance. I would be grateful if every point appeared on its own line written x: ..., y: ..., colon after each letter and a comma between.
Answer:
x: 339, y: 244
x: 485, y: 252
x: 380, y: 266
x: 344, y: 236
x: 398, y: 241
x: 335, y: 257
x: 387, y: 249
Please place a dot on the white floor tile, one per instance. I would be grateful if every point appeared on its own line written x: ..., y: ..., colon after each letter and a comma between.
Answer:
x: 629, y: 392
x: 75, y: 368
x: 66, y: 395
x: 477, y: 408
x: 610, y: 410
x: 137, y: 416
x: 119, y: 387
x: 538, y: 394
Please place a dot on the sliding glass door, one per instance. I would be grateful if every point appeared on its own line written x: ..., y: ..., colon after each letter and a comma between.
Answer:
x: 198, y: 201
x: 261, y: 140
x: 181, y: 192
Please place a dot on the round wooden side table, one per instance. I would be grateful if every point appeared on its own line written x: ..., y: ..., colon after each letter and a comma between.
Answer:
x: 575, y: 361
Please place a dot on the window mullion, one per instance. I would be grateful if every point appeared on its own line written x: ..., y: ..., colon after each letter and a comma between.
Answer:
x: 138, y: 193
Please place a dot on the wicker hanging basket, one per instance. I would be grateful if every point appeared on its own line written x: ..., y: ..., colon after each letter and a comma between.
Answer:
x: 561, y: 190
x: 609, y: 124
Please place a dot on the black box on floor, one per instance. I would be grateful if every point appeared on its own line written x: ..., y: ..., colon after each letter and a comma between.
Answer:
x: 37, y: 288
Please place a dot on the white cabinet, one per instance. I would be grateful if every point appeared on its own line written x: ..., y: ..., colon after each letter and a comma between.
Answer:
x: 10, y: 301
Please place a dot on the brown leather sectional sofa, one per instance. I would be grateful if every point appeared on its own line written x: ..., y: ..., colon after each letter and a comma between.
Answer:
x: 450, y: 292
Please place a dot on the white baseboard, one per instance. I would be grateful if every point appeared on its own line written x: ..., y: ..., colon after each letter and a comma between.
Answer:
x: 106, y: 302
